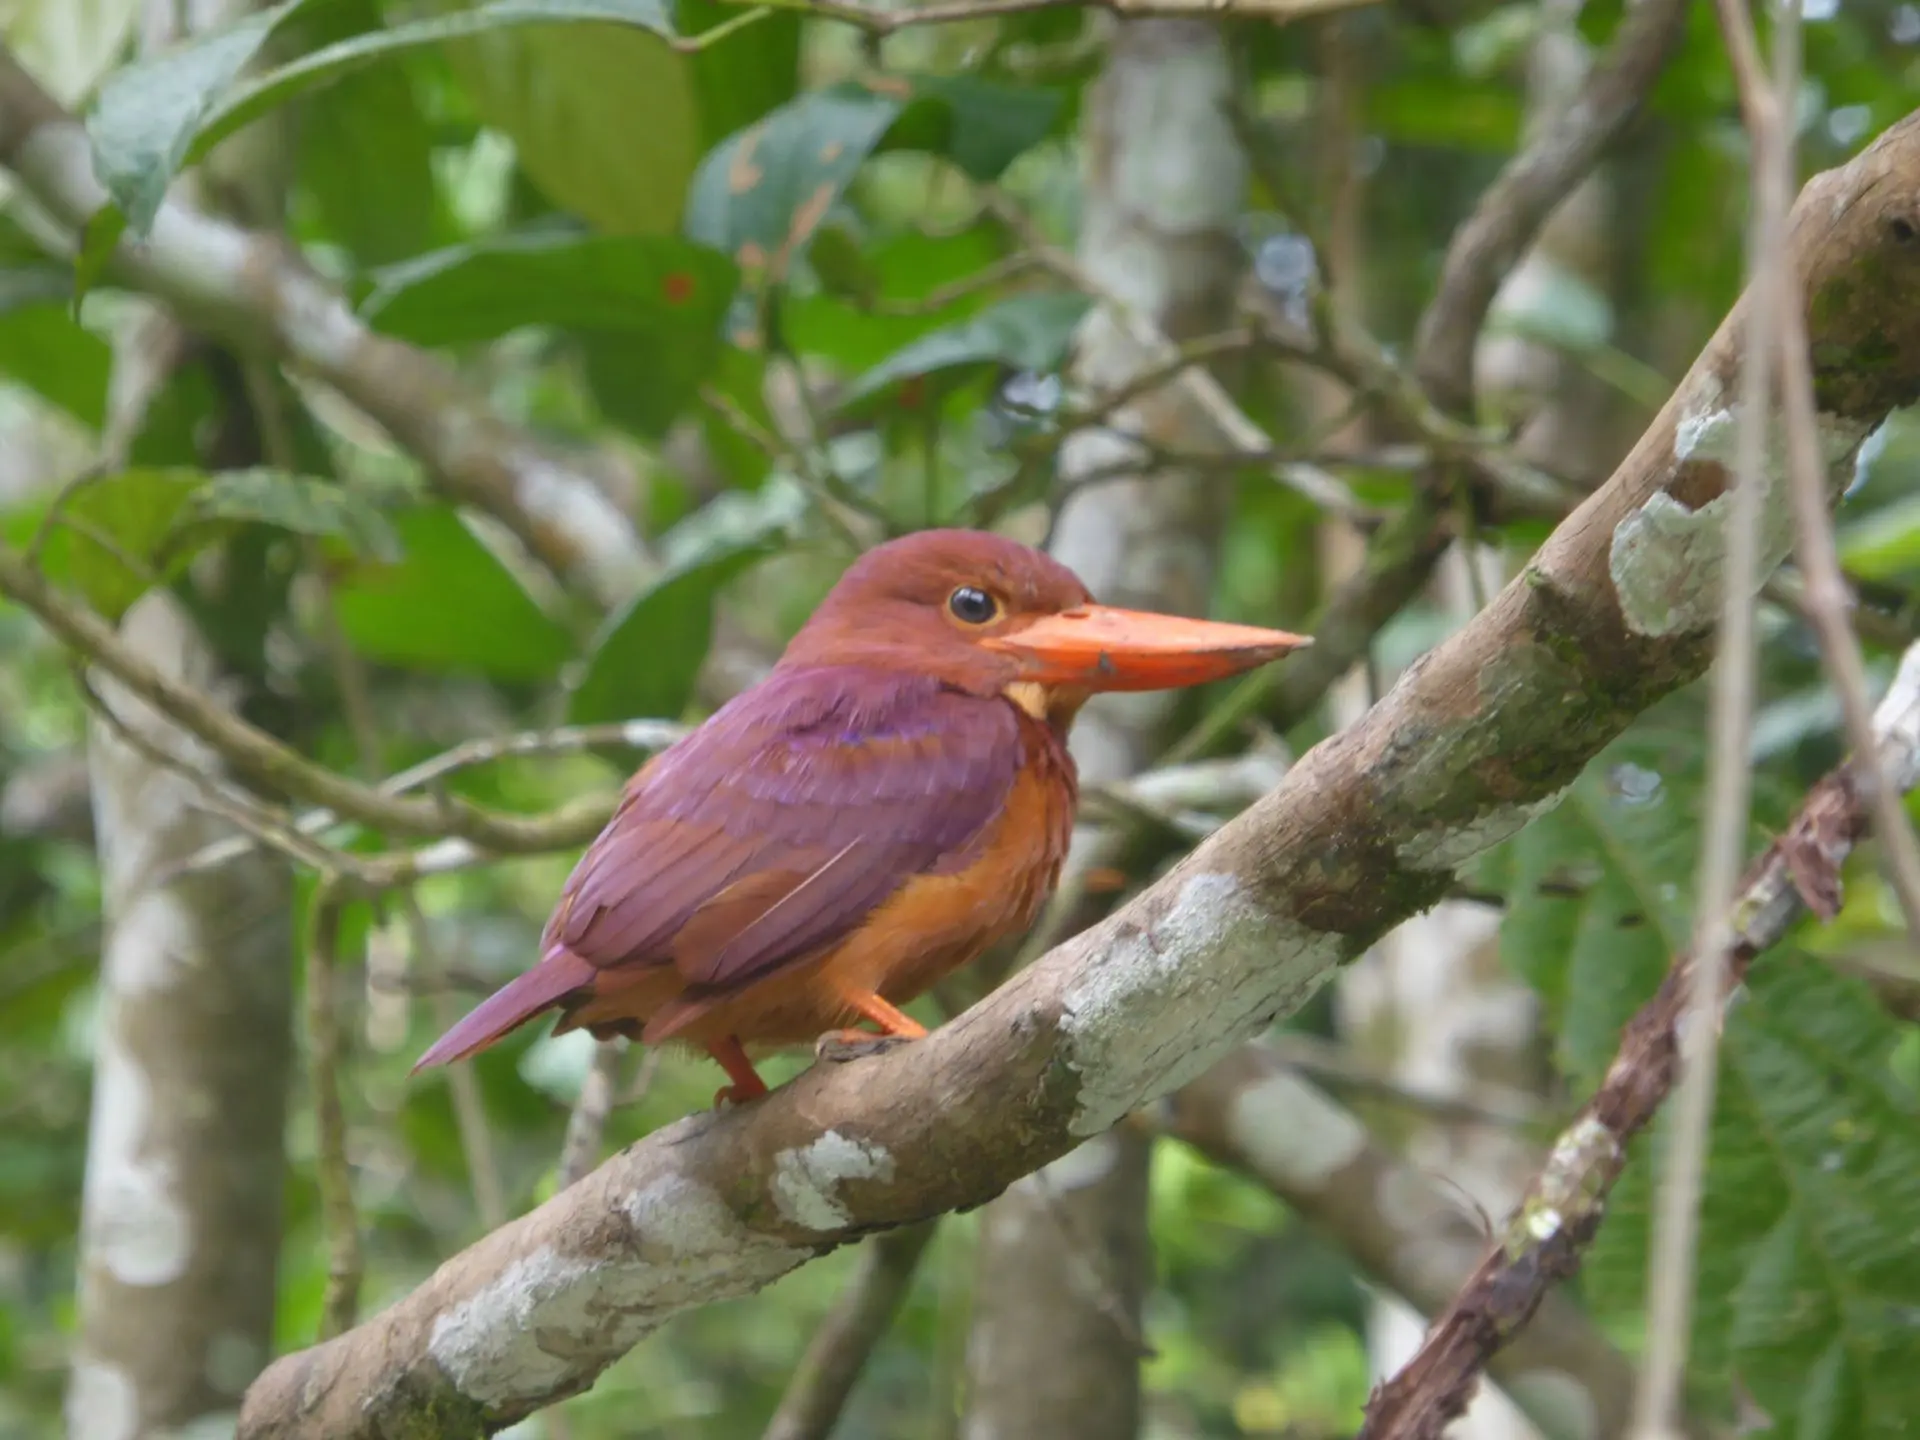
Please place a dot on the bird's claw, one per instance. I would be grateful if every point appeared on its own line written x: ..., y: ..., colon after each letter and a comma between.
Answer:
x: 837, y: 1047
x: 734, y: 1095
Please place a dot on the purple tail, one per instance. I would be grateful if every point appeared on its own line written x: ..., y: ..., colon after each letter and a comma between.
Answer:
x: 557, y: 976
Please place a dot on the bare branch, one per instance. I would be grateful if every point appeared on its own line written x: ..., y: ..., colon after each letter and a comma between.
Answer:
x: 1544, y: 1240
x: 334, y: 1173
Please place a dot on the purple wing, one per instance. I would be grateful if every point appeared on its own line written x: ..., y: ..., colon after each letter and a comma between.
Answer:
x: 775, y: 828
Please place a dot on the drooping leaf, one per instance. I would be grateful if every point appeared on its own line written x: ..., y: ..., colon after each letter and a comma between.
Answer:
x: 42, y: 347
x: 119, y: 525
x: 567, y: 279
x: 147, y: 115
x: 449, y: 604
x: 761, y: 194
x: 1025, y: 332
x: 647, y: 656
x: 647, y: 309
x: 604, y: 118
x: 366, y: 153
x: 303, y: 504
x: 158, y: 115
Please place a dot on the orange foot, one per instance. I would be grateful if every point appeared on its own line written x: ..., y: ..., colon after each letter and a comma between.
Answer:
x: 837, y: 1047
x: 747, y: 1084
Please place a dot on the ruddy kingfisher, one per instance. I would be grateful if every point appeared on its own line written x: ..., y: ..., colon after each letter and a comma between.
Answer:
x: 894, y: 797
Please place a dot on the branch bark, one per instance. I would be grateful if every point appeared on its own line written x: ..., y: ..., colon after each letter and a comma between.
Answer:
x: 1486, y: 731
x: 1545, y: 1239
x: 251, y: 289
x: 180, y: 1216
x: 1255, y: 1114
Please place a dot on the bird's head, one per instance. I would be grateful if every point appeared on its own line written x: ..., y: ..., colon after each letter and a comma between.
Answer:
x: 990, y: 615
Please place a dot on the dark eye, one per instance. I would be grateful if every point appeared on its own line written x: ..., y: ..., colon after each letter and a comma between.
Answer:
x: 973, y: 607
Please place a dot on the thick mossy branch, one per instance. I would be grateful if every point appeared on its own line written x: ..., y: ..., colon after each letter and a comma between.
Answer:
x: 1364, y: 831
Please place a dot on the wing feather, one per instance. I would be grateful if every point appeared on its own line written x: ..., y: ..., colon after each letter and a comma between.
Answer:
x: 773, y: 830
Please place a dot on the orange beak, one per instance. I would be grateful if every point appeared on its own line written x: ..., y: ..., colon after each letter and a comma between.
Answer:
x: 1099, y: 647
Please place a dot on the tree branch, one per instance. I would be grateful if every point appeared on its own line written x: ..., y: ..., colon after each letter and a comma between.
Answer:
x: 1544, y: 1240
x: 253, y: 291
x: 1615, y: 612
x: 1400, y: 1227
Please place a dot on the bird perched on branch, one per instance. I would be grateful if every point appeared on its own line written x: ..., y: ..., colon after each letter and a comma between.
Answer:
x: 893, y: 798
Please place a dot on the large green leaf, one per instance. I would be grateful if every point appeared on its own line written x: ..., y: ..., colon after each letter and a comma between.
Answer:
x: 1025, y: 332
x: 1813, y: 1185
x: 153, y: 117
x: 448, y: 605
x: 878, y: 303
x: 648, y: 309
x: 659, y: 285
x: 148, y: 115
x: 303, y: 504
x: 116, y: 545
x: 761, y: 194
x: 647, y: 656
x: 604, y: 118
x: 43, y: 348
x: 366, y: 154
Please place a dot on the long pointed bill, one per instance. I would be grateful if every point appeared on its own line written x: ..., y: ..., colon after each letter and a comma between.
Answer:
x: 1098, y: 647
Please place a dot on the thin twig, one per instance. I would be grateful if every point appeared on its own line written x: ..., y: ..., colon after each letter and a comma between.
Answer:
x: 580, y: 1150
x: 824, y: 1379
x: 333, y: 1172
x: 1672, y: 1269
x: 1548, y: 1234
x: 260, y: 757
x: 880, y: 23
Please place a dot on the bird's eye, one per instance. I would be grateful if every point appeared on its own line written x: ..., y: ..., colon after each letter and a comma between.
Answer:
x: 971, y: 606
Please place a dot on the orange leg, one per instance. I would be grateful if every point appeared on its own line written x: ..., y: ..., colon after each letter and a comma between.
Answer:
x: 890, y: 1020
x: 747, y: 1084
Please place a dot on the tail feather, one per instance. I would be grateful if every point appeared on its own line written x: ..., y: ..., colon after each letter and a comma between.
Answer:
x: 560, y: 974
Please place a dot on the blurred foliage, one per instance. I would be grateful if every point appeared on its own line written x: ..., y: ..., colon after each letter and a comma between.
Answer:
x: 636, y: 248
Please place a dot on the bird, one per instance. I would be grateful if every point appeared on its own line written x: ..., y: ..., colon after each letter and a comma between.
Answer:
x: 894, y: 797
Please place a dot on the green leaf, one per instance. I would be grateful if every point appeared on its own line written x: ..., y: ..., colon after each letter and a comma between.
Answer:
x: 658, y: 285
x: 448, y: 605
x: 303, y: 504
x: 42, y: 348
x: 648, y: 309
x: 741, y: 78
x: 366, y: 154
x: 120, y: 525
x: 99, y: 239
x: 147, y: 115
x: 154, y: 117
x: 1807, y: 1273
x: 647, y: 657
x: 981, y: 126
x: 869, y: 313
x: 604, y: 118
x: 1026, y: 332
x: 1884, y: 545
x: 761, y: 194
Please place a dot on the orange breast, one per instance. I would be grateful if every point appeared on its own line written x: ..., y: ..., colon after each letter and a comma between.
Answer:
x: 929, y: 928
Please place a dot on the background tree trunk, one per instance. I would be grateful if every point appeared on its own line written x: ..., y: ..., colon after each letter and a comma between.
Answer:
x: 180, y: 1226
x: 1065, y: 1258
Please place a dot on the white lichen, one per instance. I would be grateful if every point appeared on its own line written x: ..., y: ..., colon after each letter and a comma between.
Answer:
x: 1167, y: 1000
x: 1666, y: 559
x: 137, y: 1229
x: 551, y: 1317
x: 1294, y: 1136
x: 102, y: 1403
x: 807, y: 1180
